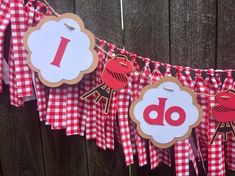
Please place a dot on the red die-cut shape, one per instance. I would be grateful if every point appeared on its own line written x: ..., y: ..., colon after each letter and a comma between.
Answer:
x: 115, y: 72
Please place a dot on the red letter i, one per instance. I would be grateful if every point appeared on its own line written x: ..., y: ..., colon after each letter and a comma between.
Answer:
x: 60, y: 51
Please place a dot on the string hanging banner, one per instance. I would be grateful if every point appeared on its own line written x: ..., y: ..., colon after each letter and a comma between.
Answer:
x: 75, y: 73
x: 60, y: 50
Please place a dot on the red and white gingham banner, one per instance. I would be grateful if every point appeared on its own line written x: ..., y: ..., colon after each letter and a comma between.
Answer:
x: 62, y: 107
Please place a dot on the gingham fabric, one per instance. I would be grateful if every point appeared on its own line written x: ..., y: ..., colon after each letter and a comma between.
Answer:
x: 201, y: 129
x: 72, y: 111
x: 181, y: 148
x: 90, y: 107
x: 138, y: 81
x: 123, y: 103
x: 111, y: 117
x: 80, y: 119
x: 62, y: 108
x: 105, y: 121
x: 19, y: 24
x: 33, y: 14
x: 4, y: 21
x: 193, y: 159
x: 14, y: 98
x: 190, y: 84
x: 153, y: 150
x: 216, y: 160
x: 230, y: 144
x: 41, y: 92
x: 56, y: 108
x: 109, y: 125
x: 99, y: 108
x: 132, y: 125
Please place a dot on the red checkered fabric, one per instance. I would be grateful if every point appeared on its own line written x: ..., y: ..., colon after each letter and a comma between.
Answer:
x: 56, y: 108
x: 82, y: 107
x: 98, y: 110
x: 182, y: 154
x: 72, y: 111
x: 14, y: 99
x: 201, y: 129
x: 193, y: 159
x: 230, y: 144
x: 109, y: 126
x: 29, y: 11
x: 4, y: 21
x: 138, y: 81
x: 90, y: 109
x: 123, y: 103
x: 133, y: 134
x: 216, y: 160
x: 105, y: 119
x: 154, y: 151
x: 40, y: 11
x: 61, y: 107
x: 182, y: 157
x: 190, y: 84
x: 19, y: 24
x: 181, y: 148
x: 41, y: 92
x: 111, y: 117
x: 35, y: 15
x: 86, y: 107
x: 132, y: 125
x: 123, y: 97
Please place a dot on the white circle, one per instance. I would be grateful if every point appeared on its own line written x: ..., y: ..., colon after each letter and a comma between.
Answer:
x: 153, y: 115
x: 175, y: 116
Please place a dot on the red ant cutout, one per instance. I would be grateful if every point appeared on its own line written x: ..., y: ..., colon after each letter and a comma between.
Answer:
x: 114, y: 77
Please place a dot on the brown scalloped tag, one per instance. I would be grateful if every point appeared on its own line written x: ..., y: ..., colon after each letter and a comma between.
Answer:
x: 60, y: 50
x: 166, y: 112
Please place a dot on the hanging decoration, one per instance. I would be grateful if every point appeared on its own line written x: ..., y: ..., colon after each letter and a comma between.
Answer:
x: 224, y: 113
x: 166, y: 112
x: 60, y: 50
x: 114, y: 78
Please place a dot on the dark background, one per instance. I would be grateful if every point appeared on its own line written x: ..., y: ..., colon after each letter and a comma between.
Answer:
x: 196, y: 33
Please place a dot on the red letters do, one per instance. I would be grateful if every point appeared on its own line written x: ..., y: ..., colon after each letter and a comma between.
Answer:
x: 161, y: 113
